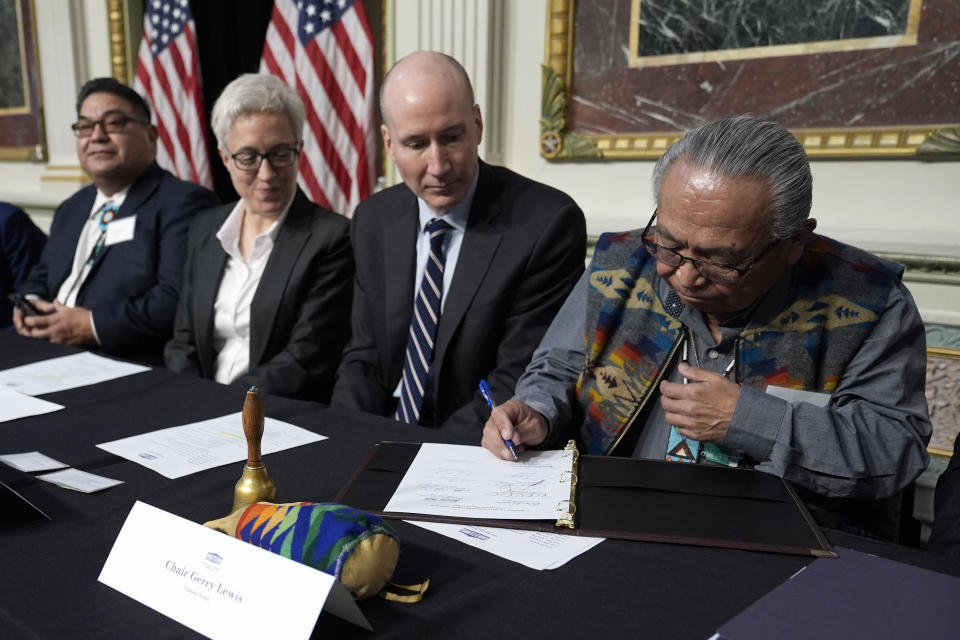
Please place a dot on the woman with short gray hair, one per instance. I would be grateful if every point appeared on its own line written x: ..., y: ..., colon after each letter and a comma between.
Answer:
x: 268, y: 280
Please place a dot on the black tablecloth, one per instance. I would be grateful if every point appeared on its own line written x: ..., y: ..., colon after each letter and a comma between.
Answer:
x: 48, y: 571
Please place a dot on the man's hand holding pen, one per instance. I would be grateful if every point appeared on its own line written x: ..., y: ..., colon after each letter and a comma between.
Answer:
x: 516, y: 421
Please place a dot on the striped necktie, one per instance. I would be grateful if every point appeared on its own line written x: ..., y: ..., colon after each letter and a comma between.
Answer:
x: 423, y: 327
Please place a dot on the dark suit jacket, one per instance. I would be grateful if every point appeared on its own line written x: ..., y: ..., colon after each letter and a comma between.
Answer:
x: 300, y: 313
x: 133, y: 287
x: 522, y: 252
x: 21, y: 244
x: 945, y: 535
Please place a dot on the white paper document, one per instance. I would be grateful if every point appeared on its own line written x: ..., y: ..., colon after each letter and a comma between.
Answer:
x: 14, y: 404
x: 534, y: 549
x: 459, y: 480
x: 66, y: 372
x: 179, y: 451
x: 216, y: 585
x: 80, y: 480
x: 31, y: 461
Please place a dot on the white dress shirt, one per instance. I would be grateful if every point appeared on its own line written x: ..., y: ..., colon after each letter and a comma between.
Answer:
x: 89, y: 237
x: 231, y: 309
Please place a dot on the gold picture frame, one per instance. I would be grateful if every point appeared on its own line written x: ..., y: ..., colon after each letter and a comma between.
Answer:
x: 125, y: 25
x: 560, y: 139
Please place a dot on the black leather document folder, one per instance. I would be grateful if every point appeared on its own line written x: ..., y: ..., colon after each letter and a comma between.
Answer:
x: 632, y: 499
x: 858, y: 595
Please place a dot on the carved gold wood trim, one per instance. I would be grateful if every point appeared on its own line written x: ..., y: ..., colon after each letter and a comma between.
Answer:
x: 943, y: 398
x: 934, y: 141
x: 558, y: 51
x: 116, y: 20
x: 824, y: 143
x: 22, y: 154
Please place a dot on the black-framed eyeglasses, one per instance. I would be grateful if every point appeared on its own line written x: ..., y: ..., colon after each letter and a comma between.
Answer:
x: 725, y: 273
x: 279, y: 158
x: 111, y: 123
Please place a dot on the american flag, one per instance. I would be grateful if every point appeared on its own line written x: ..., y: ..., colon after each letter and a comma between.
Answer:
x: 324, y: 49
x: 168, y: 76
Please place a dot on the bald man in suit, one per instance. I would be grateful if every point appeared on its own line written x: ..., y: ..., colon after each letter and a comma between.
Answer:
x: 513, y: 250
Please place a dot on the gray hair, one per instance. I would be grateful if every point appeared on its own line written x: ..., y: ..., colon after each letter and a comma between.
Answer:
x: 748, y: 146
x: 450, y: 60
x: 255, y: 93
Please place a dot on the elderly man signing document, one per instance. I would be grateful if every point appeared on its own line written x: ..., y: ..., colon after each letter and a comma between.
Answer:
x: 726, y: 332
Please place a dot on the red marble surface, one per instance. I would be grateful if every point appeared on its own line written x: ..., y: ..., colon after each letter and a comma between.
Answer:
x: 897, y: 86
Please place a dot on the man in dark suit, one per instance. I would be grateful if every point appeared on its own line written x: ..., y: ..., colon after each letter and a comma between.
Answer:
x: 493, y: 276
x: 21, y: 243
x: 110, y: 275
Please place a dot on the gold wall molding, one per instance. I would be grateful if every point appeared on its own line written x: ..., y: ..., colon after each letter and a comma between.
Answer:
x: 120, y: 28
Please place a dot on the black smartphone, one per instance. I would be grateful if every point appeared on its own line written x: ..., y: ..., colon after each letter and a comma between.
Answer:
x: 26, y: 307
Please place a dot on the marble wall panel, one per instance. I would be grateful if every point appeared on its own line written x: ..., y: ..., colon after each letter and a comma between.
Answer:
x: 943, y: 398
x: 670, y: 27
x: 886, y: 86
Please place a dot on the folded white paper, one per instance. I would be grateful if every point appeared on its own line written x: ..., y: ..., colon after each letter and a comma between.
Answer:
x: 80, y: 480
x: 31, y: 461
x: 217, y: 585
x: 66, y: 372
x: 534, y: 549
x: 14, y: 404
x: 178, y: 451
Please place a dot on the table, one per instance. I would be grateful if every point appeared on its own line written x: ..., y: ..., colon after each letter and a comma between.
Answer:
x: 48, y: 572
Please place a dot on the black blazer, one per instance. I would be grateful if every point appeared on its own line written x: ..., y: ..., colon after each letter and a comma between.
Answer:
x: 21, y: 244
x: 522, y: 252
x: 945, y: 535
x: 133, y: 287
x: 299, y: 316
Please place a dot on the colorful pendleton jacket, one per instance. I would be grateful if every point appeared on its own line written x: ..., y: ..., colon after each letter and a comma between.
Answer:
x: 836, y: 299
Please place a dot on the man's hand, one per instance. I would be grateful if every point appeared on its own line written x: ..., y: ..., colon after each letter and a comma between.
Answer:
x: 18, y: 322
x: 64, y: 325
x: 516, y: 421
x: 701, y: 410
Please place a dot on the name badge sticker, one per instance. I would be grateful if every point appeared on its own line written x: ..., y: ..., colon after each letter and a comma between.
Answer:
x: 798, y: 395
x: 120, y: 230
x: 217, y: 585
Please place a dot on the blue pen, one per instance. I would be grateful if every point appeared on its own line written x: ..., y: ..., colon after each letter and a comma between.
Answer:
x: 485, y: 392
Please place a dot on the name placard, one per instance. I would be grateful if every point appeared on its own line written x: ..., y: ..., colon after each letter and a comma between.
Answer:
x: 219, y: 586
